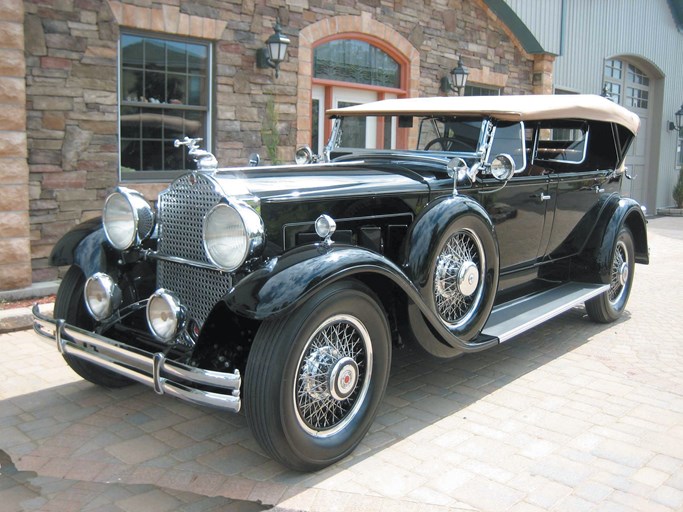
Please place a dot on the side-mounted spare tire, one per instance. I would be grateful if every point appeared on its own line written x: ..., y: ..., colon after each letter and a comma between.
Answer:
x: 452, y: 257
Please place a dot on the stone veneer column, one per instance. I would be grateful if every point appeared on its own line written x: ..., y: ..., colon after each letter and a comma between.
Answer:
x: 543, y: 73
x: 15, y: 252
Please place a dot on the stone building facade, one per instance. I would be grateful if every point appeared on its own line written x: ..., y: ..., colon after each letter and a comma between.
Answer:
x: 63, y: 109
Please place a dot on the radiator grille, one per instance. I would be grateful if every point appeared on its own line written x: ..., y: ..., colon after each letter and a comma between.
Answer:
x: 181, y: 212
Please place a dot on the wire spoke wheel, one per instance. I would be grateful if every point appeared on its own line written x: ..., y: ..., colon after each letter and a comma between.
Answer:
x: 457, y: 278
x: 619, y: 273
x: 315, y: 377
x: 333, y: 375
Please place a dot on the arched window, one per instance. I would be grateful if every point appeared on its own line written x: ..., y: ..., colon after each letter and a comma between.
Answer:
x: 350, y: 71
x: 350, y: 60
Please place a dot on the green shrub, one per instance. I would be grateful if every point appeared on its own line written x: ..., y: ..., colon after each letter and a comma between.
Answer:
x: 678, y: 190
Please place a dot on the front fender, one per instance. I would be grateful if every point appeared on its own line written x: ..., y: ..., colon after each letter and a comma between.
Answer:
x: 286, y: 281
x: 83, y: 246
x: 289, y: 280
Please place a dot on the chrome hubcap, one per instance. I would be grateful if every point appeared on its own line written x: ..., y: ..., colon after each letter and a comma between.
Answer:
x: 333, y: 376
x: 343, y: 378
x: 468, y: 278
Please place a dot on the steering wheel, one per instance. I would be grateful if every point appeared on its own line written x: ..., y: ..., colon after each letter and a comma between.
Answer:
x: 448, y: 144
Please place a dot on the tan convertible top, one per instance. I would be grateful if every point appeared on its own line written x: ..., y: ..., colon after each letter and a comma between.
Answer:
x: 505, y: 108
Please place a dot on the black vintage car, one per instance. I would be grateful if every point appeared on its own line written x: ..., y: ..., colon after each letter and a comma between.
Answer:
x: 284, y: 288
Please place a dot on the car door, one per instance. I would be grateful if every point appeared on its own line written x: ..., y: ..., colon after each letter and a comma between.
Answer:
x: 518, y: 207
x: 576, y: 184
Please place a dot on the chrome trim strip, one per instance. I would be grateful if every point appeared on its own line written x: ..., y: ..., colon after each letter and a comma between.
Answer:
x: 175, y: 259
x: 151, y: 369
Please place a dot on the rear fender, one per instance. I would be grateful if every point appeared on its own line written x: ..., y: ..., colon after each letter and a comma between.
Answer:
x: 593, y: 265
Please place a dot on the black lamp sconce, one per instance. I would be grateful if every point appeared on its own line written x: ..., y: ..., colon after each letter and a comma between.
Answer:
x: 678, y: 124
x: 275, y: 50
x: 455, y: 80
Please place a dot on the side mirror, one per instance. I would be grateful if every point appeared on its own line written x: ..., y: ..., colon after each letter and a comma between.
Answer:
x: 254, y: 159
x: 502, y: 167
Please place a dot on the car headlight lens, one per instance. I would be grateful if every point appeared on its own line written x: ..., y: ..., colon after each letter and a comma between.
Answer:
x: 102, y: 296
x: 127, y: 218
x: 164, y: 315
x: 503, y: 167
x: 231, y: 234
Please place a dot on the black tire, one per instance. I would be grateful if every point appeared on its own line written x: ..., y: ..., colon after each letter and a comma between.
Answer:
x: 315, y: 378
x: 463, y: 276
x: 70, y: 306
x: 609, y: 305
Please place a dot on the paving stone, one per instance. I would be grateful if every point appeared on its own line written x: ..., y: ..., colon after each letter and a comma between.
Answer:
x: 569, y: 416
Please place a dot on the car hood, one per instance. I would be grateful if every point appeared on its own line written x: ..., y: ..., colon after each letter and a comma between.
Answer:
x: 286, y: 183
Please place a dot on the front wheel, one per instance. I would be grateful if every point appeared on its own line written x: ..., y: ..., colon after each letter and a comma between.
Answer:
x: 609, y: 305
x: 315, y: 378
x: 70, y: 306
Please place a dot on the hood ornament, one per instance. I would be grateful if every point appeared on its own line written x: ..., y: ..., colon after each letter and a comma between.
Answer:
x: 204, y: 159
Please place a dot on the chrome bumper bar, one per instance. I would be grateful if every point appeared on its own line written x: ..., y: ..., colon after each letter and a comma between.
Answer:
x: 151, y: 369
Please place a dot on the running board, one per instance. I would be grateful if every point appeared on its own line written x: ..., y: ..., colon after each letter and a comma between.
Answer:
x: 517, y: 316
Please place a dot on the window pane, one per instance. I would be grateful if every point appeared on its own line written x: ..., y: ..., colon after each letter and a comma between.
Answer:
x: 197, y: 58
x: 348, y: 60
x: 130, y: 154
x: 132, y: 51
x: 155, y: 54
x: 176, y: 57
x: 477, y: 90
x: 315, y: 133
x: 564, y: 142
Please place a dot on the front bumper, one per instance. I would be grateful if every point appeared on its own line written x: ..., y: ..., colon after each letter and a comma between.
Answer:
x: 152, y: 369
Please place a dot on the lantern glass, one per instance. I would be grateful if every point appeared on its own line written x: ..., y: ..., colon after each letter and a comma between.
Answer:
x: 679, y: 118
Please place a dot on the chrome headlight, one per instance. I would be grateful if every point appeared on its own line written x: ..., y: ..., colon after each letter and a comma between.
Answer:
x: 232, y: 233
x: 127, y: 218
x: 164, y: 315
x: 102, y: 296
x: 503, y: 167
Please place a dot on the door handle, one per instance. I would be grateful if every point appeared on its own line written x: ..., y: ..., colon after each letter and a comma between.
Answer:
x: 542, y: 197
x: 598, y: 190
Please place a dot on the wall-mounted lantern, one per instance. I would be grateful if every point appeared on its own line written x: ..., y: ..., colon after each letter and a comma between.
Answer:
x: 456, y: 79
x: 275, y: 50
x: 678, y: 124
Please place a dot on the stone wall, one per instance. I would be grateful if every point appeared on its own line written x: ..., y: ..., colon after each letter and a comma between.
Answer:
x: 71, y: 82
x: 15, y: 256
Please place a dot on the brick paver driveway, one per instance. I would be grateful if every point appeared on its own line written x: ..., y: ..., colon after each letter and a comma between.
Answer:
x: 570, y: 416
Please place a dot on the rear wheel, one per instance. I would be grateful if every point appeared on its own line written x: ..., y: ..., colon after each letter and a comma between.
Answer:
x: 609, y: 305
x: 70, y: 306
x: 315, y: 378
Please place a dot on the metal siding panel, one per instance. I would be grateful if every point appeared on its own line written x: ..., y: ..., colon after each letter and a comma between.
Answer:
x: 543, y: 18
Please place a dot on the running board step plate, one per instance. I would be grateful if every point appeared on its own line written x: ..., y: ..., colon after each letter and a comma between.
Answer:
x: 513, y: 318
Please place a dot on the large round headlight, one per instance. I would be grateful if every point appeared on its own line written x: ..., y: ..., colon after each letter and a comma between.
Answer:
x: 127, y: 218
x: 231, y: 234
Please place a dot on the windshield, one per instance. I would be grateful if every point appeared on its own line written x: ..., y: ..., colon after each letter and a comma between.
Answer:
x: 441, y: 134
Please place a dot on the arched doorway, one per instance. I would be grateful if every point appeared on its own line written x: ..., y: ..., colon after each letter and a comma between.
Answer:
x: 629, y: 85
x: 351, y: 71
x: 349, y: 60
